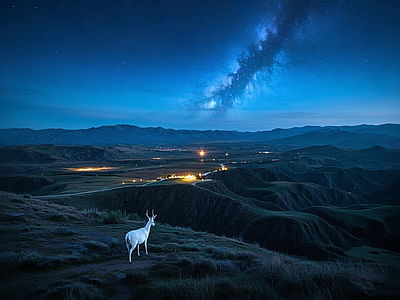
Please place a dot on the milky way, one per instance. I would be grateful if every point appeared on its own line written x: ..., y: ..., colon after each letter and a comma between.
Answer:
x: 262, y: 56
x: 201, y: 64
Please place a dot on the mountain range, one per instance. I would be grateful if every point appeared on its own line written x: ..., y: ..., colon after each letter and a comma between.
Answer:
x: 356, y: 137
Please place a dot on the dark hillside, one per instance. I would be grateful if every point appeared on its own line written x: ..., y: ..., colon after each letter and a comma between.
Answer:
x: 374, y: 158
x: 354, y: 180
x: 287, y: 195
x: 296, y: 196
x: 203, y: 210
x: 218, y: 187
x: 346, y: 179
x: 270, y: 176
x: 389, y: 195
x: 52, y: 153
x: 237, y: 179
x: 52, y: 251
x: 377, y: 226
x: 24, y: 154
x: 23, y: 184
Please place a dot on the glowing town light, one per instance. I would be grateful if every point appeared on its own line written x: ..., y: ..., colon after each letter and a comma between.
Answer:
x: 90, y: 169
x: 202, y: 153
x: 190, y: 177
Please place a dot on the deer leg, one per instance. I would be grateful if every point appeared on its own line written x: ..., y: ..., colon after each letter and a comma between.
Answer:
x: 128, y: 242
x: 130, y: 255
x: 138, y: 253
x: 130, y: 251
x: 145, y: 246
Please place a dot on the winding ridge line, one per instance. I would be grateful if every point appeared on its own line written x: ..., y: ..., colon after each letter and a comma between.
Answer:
x: 110, y: 189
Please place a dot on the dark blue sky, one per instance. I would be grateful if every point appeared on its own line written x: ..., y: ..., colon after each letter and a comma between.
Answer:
x: 239, y: 64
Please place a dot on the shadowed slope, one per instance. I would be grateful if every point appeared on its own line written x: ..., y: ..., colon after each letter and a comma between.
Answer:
x: 305, y: 160
x: 389, y: 195
x: 53, y: 153
x: 23, y: 184
x: 354, y: 180
x: 378, y: 226
x: 204, y: 210
x: 287, y: 195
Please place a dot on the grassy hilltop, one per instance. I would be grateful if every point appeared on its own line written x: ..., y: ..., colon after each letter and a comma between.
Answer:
x: 60, y: 252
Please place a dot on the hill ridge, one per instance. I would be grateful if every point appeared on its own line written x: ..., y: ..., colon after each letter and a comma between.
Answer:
x: 359, y: 136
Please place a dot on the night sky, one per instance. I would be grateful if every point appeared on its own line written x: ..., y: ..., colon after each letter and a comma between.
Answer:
x: 242, y: 65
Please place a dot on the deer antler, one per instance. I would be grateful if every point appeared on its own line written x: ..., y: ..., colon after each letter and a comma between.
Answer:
x: 152, y: 212
x: 147, y: 214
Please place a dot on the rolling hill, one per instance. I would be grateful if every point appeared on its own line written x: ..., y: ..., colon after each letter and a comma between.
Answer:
x: 285, y: 194
x: 205, y: 210
x: 362, y: 136
x: 42, y: 154
x: 377, y: 226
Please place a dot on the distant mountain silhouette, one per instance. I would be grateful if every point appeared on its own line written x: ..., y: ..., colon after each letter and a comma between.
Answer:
x: 357, y: 137
x: 340, y: 138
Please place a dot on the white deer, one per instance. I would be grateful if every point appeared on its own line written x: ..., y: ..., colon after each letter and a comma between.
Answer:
x: 139, y: 236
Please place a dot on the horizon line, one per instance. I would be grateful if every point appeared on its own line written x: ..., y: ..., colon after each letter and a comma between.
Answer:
x: 184, y: 129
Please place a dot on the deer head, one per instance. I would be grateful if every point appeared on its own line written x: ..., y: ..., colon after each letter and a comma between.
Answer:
x: 152, y: 217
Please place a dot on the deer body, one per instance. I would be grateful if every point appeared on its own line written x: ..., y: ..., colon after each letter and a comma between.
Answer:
x: 139, y: 236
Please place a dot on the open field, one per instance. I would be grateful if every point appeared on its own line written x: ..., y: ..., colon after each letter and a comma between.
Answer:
x: 50, y: 169
x: 132, y: 165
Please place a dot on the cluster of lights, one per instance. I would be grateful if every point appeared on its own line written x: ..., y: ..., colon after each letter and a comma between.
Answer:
x: 186, y: 177
x: 173, y: 176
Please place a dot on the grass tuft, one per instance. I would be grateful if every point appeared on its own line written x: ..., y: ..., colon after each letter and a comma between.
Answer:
x: 114, y: 217
x: 204, y: 267
x: 24, y: 260
x: 75, y: 291
x: 111, y: 217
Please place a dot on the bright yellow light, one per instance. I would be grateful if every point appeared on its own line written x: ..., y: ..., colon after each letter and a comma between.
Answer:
x: 190, y: 177
x: 90, y: 169
x: 202, y: 153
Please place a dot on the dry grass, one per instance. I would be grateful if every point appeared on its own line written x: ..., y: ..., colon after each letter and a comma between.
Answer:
x: 194, y: 265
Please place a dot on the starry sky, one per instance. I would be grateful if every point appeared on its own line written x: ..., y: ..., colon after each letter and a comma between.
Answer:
x: 244, y: 65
